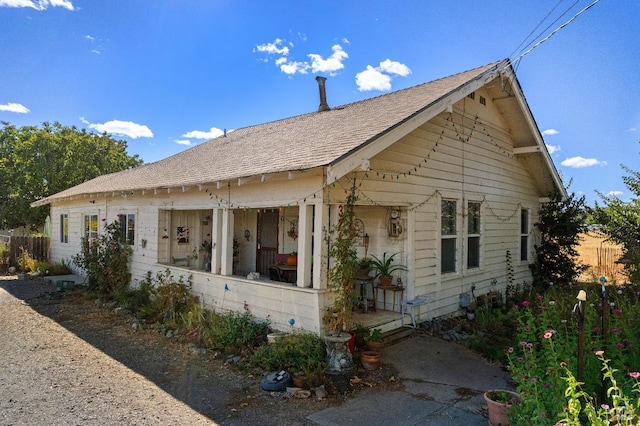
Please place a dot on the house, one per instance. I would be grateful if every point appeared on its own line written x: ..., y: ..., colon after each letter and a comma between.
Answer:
x: 449, y: 174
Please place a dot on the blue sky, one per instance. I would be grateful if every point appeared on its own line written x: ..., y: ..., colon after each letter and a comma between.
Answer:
x: 165, y: 75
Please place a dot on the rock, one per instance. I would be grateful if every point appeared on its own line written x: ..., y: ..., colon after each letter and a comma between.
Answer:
x: 321, y: 392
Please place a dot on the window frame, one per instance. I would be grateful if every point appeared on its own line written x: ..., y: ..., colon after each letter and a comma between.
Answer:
x: 64, y: 228
x: 475, y: 234
x: 127, y: 222
x: 449, y: 233
x: 525, y: 220
x: 87, y: 231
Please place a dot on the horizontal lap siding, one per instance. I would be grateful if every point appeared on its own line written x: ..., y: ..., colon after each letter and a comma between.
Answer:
x: 481, y: 169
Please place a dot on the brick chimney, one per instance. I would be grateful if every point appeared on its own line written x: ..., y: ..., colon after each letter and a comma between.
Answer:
x: 324, y: 106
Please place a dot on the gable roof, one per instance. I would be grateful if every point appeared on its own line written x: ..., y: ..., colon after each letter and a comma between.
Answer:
x: 310, y: 140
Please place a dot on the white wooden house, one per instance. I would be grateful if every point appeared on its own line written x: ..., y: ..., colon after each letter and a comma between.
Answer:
x: 449, y: 174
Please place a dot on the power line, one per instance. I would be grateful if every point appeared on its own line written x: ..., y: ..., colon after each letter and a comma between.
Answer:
x: 516, y: 60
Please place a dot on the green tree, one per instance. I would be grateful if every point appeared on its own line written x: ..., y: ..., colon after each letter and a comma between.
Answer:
x: 620, y: 220
x: 560, y: 222
x: 36, y: 162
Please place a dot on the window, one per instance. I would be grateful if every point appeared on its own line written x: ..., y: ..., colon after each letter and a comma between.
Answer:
x: 64, y: 228
x: 473, y: 234
x: 524, y: 234
x: 128, y: 228
x: 448, y: 237
x: 91, y: 226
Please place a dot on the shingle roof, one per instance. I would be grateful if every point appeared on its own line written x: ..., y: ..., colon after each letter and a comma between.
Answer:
x: 310, y: 140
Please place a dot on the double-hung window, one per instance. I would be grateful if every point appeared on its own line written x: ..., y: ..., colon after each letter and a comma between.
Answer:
x: 91, y: 226
x: 473, y: 234
x: 448, y: 236
x: 128, y: 228
x: 64, y: 228
x: 524, y: 235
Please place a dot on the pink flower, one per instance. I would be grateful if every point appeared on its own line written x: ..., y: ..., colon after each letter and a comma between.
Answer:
x: 605, y: 406
x: 547, y: 334
x: 615, y: 330
x: 634, y: 374
x: 525, y: 303
x: 596, y: 329
x: 617, y: 311
x: 599, y: 353
x: 540, y: 297
x: 620, y: 345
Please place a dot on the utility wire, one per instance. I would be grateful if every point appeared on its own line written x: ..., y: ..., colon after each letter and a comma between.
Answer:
x: 551, y: 24
x: 533, y: 30
x: 522, y: 55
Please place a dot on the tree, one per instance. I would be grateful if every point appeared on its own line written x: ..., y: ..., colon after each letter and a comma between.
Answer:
x: 621, y: 222
x: 36, y: 162
x: 561, y: 221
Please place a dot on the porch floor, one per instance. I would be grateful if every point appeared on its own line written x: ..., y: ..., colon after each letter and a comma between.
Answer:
x: 385, y: 320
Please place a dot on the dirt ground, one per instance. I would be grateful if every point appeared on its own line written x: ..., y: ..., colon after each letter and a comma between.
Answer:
x: 204, y: 382
x: 600, y: 256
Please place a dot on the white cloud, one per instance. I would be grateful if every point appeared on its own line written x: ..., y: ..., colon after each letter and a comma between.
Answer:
x: 292, y: 67
x: 553, y: 148
x: 550, y: 132
x: 272, y: 48
x: 214, y: 132
x: 632, y: 129
x: 281, y: 49
x: 615, y: 194
x: 13, y: 107
x: 121, y: 128
x: 37, y: 4
x: 378, y: 78
x: 580, y: 162
x: 330, y: 65
x: 183, y: 142
x: 392, y: 67
x: 372, y: 79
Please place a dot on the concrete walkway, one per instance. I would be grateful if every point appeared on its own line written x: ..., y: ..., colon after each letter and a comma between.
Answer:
x: 444, y: 383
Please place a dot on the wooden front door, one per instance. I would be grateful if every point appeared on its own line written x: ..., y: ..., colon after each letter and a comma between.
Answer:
x: 267, y: 240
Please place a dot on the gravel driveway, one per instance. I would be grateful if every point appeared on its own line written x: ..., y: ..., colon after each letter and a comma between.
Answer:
x: 65, y: 361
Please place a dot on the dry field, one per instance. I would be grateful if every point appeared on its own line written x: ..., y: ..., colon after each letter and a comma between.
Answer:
x: 600, y: 256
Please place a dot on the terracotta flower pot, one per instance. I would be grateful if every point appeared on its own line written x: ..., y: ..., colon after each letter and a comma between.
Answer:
x: 370, y: 360
x: 374, y: 346
x: 497, y: 409
x: 292, y: 260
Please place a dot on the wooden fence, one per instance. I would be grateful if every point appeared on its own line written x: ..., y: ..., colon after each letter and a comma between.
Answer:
x: 37, y: 247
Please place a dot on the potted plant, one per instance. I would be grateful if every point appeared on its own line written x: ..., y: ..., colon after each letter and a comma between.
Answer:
x: 498, y: 402
x: 384, y: 268
x: 370, y: 360
x: 374, y: 340
x: 363, y: 268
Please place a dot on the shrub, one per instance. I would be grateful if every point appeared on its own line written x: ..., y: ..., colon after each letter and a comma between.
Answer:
x: 167, y: 298
x: 106, y: 261
x: 236, y: 332
x: 297, y: 352
x: 58, y: 268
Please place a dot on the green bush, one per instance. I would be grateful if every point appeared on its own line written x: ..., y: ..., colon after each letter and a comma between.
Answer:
x: 297, y: 352
x: 106, y: 261
x: 58, y: 268
x: 167, y: 297
x: 236, y: 332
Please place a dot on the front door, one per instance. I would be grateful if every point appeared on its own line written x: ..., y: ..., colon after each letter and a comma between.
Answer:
x: 267, y: 240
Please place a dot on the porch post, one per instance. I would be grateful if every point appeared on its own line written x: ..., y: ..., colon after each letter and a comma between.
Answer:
x: 226, y: 258
x: 216, y: 241
x: 321, y: 222
x: 305, y: 234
